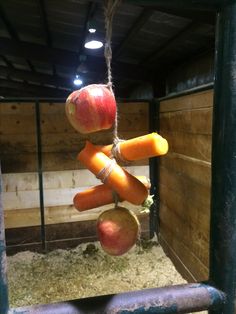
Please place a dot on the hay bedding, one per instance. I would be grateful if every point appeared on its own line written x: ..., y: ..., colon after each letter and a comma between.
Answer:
x: 86, y: 271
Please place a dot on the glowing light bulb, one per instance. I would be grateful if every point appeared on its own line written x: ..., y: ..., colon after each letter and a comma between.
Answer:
x: 77, y: 81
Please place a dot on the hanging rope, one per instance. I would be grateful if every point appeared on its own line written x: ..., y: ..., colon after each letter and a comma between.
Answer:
x: 110, y: 7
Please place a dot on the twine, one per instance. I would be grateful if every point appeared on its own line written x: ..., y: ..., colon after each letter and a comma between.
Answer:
x: 104, y: 173
x: 116, y: 153
x: 110, y: 7
x: 109, y: 11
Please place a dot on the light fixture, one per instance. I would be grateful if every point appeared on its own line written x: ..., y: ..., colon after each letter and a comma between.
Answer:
x: 77, y: 81
x: 91, y: 41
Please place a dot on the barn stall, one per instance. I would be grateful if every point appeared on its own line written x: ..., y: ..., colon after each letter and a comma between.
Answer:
x: 41, y: 174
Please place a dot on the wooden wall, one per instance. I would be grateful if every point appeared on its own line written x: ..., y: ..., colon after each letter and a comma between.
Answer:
x: 185, y: 182
x: 63, y: 175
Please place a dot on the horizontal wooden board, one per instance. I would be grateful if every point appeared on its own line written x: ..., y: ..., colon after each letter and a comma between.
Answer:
x: 188, y: 256
x: 195, y: 169
x: 59, y: 142
x: 196, y: 121
x: 189, y: 212
x: 16, y: 108
x: 188, y: 265
x: 191, y: 101
x: 18, y: 218
x: 58, y: 123
x: 27, y: 162
x: 187, y: 189
x: 82, y: 231
x: 188, y: 232
x: 15, y: 182
x: 193, y: 145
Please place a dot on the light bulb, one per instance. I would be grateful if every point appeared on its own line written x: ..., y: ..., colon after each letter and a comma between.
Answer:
x: 93, y: 44
x: 77, y: 81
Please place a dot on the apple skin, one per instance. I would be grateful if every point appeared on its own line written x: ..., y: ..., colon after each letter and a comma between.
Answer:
x: 91, y: 108
x: 118, y: 230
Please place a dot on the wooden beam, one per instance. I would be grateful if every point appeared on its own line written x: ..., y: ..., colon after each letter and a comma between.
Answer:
x: 11, y: 30
x: 203, y: 17
x: 54, y: 80
x: 138, y: 24
x: 200, y: 5
x: 69, y: 59
x: 172, y: 41
x: 30, y: 89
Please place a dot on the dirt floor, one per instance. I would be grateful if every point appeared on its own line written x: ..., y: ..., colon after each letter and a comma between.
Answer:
x: 86, y: 271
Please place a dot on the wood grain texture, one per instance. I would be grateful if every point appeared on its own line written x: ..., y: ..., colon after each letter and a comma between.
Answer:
x: 60, y: 142
x: 61, y: 235
x: 193, y: 101
x: 185, y: 182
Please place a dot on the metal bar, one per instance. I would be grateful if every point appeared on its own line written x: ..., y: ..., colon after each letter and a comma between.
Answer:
x: 173, y: 299
x: 40, y: 174
x: 223, y: 199
x: 154, y: 169
x: 199, y: 5
x: 196, y: 89
x: 4, y: 305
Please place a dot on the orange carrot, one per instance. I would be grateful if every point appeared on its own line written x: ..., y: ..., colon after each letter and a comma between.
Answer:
x: 99, y: 195
x: 141, y: 147
x: 126, y: 186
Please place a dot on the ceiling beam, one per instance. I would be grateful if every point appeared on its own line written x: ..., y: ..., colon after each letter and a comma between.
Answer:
x: 30, y: 88
x: 69, y: 59
x: 172, y: 41
x: 203, y: 17
x: 41, y: 78
x: 138, y: 24
x: 12, y: 32
x: 199, y: 5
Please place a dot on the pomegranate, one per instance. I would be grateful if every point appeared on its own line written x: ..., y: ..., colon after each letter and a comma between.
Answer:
x: 91, y: 108
x: 118, y: 230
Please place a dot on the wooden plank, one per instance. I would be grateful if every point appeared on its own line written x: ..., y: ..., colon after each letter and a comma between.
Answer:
x: 27, y: 162
x: 17, y: 124
x: 189, y: 212
x: 16, y: 108
x: 187, y: 232
x: 20, y: 162
x: 126, y: 107
x: 176, y: 260
x: 59, y: 142
x: 197, y: 121
x: 187, y: 189
x: 17, y: 218
x: 195, y: 169
x: 192, y: 101
x: 28, y: 181
x: 187, y: 256
x: 81, y: 231
x: 193, y: 145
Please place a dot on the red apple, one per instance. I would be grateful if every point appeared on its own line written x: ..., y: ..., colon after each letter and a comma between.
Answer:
x: 118, y: 230
x: 91, y: 108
